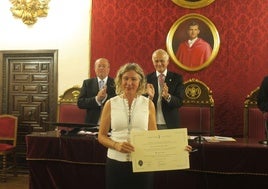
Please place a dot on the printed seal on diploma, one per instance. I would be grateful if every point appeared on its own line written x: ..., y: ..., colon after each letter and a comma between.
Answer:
x: 159, y: 150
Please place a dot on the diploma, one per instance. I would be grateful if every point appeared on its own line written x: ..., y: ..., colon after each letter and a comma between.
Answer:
x: 159, y: 150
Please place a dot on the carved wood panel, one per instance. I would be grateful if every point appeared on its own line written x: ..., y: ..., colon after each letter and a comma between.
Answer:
x: 30, y: 88
x: 29, y: 91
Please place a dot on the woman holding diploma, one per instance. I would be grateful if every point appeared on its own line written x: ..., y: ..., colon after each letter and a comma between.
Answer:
x: 127, y: 111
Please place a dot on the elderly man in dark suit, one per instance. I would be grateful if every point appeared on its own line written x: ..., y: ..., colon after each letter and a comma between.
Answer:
x: 96, y: 91
x: 166, y: 89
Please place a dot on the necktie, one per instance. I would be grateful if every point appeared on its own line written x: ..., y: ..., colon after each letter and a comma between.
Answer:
x: 161, y: 80
x: 101, y: 84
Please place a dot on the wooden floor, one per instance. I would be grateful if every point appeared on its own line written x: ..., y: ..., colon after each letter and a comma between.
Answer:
x: 19, y: 182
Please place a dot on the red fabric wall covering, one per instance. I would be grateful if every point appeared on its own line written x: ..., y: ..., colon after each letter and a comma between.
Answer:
x: 129, y: 31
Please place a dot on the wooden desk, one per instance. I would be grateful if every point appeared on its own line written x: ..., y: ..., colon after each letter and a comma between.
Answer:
x: 65, y: 162
x: 241, y: 164
x: 79, y: 162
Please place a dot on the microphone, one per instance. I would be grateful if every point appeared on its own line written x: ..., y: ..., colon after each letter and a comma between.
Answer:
x: 200, y: 139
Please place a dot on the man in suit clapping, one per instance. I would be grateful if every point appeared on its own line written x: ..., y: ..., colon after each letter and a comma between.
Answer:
x: 166, y: 89
x: 96, y: 91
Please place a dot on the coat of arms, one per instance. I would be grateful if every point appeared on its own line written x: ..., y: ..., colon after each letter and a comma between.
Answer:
x: 29, y: 10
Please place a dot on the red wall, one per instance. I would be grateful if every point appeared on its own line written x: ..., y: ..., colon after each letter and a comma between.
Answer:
x: 129, y: 31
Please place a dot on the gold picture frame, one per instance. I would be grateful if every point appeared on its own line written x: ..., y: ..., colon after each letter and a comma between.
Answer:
x: 193, y: 4
x: 178, y: 35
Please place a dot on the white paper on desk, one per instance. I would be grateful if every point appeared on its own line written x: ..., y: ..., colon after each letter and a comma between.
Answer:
x: 159, y: 150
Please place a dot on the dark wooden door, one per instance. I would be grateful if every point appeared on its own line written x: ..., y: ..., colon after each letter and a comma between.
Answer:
x: 29, y: 90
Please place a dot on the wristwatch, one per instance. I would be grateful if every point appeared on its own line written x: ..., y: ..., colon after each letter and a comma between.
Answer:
x: 168, y: 98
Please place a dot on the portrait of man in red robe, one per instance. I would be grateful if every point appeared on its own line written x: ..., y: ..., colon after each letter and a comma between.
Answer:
x: 194, y: 51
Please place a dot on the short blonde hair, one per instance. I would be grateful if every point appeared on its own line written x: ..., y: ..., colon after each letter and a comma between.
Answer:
x: 129, y: 67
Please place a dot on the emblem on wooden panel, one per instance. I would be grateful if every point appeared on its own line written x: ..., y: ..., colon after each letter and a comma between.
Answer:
x: 70, y: 95
x: 193, y: 91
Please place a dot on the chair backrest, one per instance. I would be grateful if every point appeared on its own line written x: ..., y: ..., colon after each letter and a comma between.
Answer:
x: 68, y: 110
x: 253, y: 117
x: 8, y: 128
x: 197, y: 112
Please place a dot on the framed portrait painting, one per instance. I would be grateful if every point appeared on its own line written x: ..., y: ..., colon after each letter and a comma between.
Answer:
x: 192, y: 4
x: 193, y: 42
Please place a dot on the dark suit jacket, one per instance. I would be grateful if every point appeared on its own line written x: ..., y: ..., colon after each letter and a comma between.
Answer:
x: 175, y: 85
x: 86, y: 99
x: 262, y: 100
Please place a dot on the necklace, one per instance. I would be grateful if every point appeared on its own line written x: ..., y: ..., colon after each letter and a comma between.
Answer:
x: 129, y: 112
